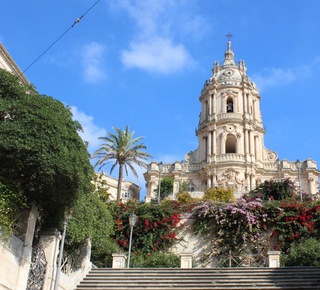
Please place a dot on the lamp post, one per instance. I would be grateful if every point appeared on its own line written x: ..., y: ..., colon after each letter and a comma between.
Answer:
x: 298, y: 164
x: 67, y: 218
x: 278, y: 162
x: 132, y: 222
x: 182, y: 164
x: 160, y: 170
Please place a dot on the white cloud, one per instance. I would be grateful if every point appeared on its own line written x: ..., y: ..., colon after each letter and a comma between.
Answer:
x: 271, y: 77
x: 155, y: 47
x: 91, y: 132
x: 157, y: 55
x: 92, y: 60
x: 169, y: 158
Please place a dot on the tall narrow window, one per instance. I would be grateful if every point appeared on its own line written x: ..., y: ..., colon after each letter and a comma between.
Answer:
x: 231, y: 143
x: 229, y: 105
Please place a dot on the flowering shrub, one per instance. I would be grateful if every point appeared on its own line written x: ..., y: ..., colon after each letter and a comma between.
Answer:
x: 274, y: 190
x: 235, y: 224
x: 154, y: 229
x: 295, y: 222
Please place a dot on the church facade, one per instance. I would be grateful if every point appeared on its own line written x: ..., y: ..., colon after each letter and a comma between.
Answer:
x: 231, y: 151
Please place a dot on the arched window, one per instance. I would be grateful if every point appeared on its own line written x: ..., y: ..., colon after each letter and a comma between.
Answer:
x: 229, y: 105
x: 231, y: 144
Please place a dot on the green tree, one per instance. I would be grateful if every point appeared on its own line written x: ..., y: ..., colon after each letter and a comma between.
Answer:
x: 306, y: 253
x: 122, y: 150
x: 166, y: 187
x: 41, y: 153
x: 10, y: 203
x: 91, y: 219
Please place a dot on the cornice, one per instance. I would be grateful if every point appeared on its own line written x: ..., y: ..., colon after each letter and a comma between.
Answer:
x: 12, y: 64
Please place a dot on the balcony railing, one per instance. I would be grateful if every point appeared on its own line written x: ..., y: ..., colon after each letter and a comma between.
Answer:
x: 230, y: 116
x: 230, y: 157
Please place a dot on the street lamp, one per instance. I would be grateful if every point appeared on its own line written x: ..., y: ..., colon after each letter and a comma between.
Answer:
x: 298, y: 164
x: 160, y: 170
x: 132, y: 222
x: 278, y: 162
x: 67, y: 218
x: 182, y: 164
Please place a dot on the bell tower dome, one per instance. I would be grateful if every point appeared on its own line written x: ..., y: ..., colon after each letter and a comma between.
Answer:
x: 230, y: 129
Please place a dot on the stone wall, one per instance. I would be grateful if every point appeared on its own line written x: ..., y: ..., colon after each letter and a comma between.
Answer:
x: 15, y: 257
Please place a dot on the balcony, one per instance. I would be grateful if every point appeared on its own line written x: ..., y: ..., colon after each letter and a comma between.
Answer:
x: 230, y: 116
x: 231, y: 157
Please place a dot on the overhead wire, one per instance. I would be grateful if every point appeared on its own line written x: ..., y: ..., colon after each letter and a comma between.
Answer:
x: 77, y: 21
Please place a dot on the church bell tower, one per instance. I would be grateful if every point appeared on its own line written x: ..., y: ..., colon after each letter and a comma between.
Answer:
x: 231, y: 151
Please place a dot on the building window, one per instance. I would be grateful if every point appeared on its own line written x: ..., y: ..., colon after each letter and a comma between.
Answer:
x: 231, y: 144
x: 126, y: 195
x: 229, y: 105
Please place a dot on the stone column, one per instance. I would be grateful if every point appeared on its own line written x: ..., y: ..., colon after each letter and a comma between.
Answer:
x: 274, y: 259
x: 244, y: 103
x: 210, y: 105
x: 251, y: 142
x: 214, y: 141
x: 28, y: 221
x: 209, y: 143
x: 246, y: 141
x: 204, y: 145
x: 176, y: 183
x: 119, y: 261
x: 49, y: 241
x: 238, y: 150
x: 214, y: 103
x: 253, y: 182
x: 186, y: 260
x: 200, y: 147
x: 223, y: 147
x: 85, y: 253
x: 310, y: 180
x: 202, y: 112
x: 209, y: 182
x: 248, y: 181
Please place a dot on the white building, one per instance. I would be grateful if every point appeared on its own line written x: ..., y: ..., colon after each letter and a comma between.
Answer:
x: 129, y: 190
x: 231, y: 151
x: 7, y: 63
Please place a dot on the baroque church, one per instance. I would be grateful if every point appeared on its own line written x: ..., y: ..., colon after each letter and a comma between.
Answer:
x: 231, y: 151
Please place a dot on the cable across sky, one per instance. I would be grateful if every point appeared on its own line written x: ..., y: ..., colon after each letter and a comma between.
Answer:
x: 77, y: 21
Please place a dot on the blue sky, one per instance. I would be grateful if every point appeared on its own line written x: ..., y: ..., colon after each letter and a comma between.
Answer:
x: 144, y: 63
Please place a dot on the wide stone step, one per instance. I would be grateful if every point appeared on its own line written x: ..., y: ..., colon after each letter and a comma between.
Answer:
x: 211, y: 278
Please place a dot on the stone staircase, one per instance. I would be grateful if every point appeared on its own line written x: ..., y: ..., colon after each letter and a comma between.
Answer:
x: 203, y: 278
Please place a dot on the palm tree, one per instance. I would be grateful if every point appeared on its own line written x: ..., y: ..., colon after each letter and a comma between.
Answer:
x: 120, y: 149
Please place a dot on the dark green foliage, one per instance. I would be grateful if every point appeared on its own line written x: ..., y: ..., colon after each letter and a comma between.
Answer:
x: 10, y: 203
x: 277, y: 190
x: 155, y: 260
x: 166, y: 187
x: 91, y: 219
x: 307, y: 253
x: 41, y: 153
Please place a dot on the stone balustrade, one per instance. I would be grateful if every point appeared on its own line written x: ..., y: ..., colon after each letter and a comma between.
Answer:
x: 230, y: 157
x: 229, y: 116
